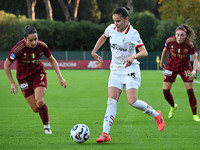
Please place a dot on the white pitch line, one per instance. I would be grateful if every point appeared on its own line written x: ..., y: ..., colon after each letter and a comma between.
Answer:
x: 198, y: 82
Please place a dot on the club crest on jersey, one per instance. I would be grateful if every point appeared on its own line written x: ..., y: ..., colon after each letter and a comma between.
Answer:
x: 139, y: 41
x: 123, y: 40
x: 185, y: 50
x: 33, y: 55
x: 12, y: 56
x: 172, y: 48
x: 25, y: 55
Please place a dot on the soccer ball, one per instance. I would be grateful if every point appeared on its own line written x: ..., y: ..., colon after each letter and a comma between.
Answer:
x: 80, y: 133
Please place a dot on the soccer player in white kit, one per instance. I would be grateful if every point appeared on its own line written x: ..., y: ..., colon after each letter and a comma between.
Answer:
x: 125, y: 70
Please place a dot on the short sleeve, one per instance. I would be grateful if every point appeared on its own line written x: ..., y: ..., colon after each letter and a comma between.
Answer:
x: 192, y: 51
x: 47, y: 52
x: 167, y: 42
x: 45, y: 48
x: 12, y: 56
x: 108, y: 30
x: 136, y: 39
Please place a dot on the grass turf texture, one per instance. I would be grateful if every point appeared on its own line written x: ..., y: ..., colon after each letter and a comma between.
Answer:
x: 84, y: 101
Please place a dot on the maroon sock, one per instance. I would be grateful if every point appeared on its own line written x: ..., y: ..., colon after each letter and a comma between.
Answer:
x: 43, y: 112
x: 192, y: 100
x: 168, y: 97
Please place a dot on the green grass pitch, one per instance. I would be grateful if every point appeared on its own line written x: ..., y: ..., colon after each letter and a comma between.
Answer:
x: 84, y: 101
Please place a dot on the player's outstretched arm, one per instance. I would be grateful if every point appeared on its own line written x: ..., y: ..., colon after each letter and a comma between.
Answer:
x: 55, y: 66
x: 195, y: 64
x: 7, y: 69
x: 97, y: 46
x: 164, y: 53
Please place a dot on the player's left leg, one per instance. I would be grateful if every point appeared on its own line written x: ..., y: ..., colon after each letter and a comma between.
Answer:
x: 192, y: 100
x: 132, y: 97
x: 42, y: 108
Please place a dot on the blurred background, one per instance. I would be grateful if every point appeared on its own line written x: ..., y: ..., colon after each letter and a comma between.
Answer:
x: 71, y: 27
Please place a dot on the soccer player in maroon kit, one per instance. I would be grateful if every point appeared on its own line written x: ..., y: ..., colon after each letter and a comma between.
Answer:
x: 180, y: 48
x: 31, y: 74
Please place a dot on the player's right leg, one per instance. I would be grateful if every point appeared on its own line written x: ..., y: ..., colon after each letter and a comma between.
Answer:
x: 167, y: 84
x: 31, y: 101
x: 42, y: 108
x: 172, y: 111
x: 108, y: 120
x: 111, y: 111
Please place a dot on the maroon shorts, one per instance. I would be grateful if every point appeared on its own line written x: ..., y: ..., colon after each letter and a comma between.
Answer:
x: 170, y: 76
x: 29, y: 84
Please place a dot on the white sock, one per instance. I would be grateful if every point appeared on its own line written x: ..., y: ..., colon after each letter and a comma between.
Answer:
x: 47, y: 126
x: 110, y: 115
x: 143, y: 106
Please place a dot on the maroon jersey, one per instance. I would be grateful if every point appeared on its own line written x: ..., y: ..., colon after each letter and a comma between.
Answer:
x: 28, y: 59
x: 179, y: 54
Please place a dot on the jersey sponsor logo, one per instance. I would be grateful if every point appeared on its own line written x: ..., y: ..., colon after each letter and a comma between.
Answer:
x: 94, y: 64
x: 12, y: 56
x: 168, y: 73
x: 117, y: 47
x: 24, y: 86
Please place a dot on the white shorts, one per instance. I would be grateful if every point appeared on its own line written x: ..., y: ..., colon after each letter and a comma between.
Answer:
x: 129, y: 77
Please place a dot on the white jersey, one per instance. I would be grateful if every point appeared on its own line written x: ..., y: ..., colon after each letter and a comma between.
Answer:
x: 122, y: 44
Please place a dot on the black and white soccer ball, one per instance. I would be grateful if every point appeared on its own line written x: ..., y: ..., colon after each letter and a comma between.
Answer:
x: 80, y: 133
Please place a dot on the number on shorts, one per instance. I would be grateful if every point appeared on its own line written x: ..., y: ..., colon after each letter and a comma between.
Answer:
x: 42, y: 76
x: 187, y: 73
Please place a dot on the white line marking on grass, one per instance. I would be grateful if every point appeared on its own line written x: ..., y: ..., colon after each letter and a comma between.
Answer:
x: 195, y: 81
x: 198, y: 82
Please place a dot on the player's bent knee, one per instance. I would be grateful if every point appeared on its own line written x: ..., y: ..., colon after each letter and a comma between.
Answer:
x: 165, y: 92
x: 35, y: 110
x: 39, y: 103
x: 132, y: 101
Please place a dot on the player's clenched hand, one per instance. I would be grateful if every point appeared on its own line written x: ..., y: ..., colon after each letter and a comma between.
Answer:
x: 97, y: 57
x: 192, y: 75
x: 63, y: 82
x: 129, y: 61
x: 162, y: 66
x: 14, y: 88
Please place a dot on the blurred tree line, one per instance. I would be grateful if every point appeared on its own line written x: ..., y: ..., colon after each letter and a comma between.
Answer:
x: 77, y: 24
x: 97, y: 11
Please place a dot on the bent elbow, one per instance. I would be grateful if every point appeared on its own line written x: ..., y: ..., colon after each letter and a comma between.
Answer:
x: 146, y: 54
x: 6, y: 64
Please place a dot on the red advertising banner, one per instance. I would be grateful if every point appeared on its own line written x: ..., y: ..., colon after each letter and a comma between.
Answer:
x: 71, y: 64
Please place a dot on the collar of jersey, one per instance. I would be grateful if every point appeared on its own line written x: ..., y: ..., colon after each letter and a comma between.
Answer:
x: 126, y: 30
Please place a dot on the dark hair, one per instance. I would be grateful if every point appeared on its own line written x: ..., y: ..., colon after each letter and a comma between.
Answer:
x: 29, y: 30
x: 123, y: 11
x: 189, y: 31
